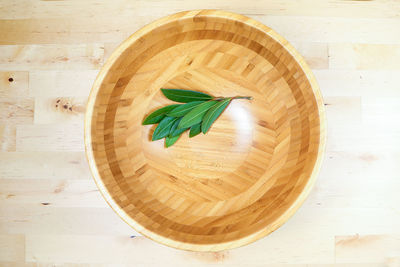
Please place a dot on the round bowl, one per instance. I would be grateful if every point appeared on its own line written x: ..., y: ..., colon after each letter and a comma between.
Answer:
x: 248, y: 174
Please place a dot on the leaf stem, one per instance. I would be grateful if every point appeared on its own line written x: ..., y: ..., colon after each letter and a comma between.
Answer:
x: 235, y: 97
x: 243, y: 97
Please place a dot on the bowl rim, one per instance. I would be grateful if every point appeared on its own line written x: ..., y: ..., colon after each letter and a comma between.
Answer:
x: 185, y: 245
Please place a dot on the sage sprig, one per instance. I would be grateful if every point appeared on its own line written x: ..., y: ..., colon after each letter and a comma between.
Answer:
x: 197, y: 114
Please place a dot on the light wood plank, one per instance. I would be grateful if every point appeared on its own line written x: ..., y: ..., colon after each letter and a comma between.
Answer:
x: 44, y: 165
x: 316, y: 54
x: 349, y: 265
x: 16, y: 110
x: 365, y: 138
x: 374, y: 132
x: 309, y: 8
x: 43, y: 219
x: 392, y: 262
x: 18, y: 9
x: 63, y: 264
x: 42, y: 57
x: 60, y: 109
x: 12, y: 248
x: 336, y: 221
x: 57, y: 264
x: 51, y: 9
x: 7, y: 137
x: 364, y: 56
x: 212, y: 263
x: 125, y: 250
x: 50, y: 137
x: 343, y: 110
x: 334, y: 29
x: 88, y: 9
x: 20, y: 264
x: 376, y: 110
x: 382, y: 83
x: 61, y: 83
x: 108, y: 49
x: 215, y: 261
x: 117, y: 28
x: 14, y: 83
x: 53, y: 31
x: 333, y: 208
x: 362, y: 173
x: 367, y: 248
x: 46, y: 192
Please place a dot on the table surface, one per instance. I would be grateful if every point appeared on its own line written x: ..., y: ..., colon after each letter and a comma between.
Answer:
x: 51, y: 212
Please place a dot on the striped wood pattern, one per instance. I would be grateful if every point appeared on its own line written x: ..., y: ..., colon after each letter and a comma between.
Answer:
x: 244, y: 178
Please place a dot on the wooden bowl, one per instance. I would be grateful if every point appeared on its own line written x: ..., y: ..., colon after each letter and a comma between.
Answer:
x: 248, y: 174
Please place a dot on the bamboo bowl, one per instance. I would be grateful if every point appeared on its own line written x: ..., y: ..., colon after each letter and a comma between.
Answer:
x: 248, y: 174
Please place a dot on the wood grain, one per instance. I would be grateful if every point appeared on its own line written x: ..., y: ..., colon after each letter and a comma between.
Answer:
x: 50, y: 137
x: 42, y: 57
x: 364, y: 56
x: 51, y: 192
x: 53, y: 110
x: 356, y: 192
x: 16, y: 110
x: 104, y: 249
x: 374, y: 248
x: 191, y: 196
x: 335, y: 30
x: 46, y: 219
x: 45, y: 165
x: 14, y: 83
x: 23, y: 9
x: 316, y: 54
x: 365, y: 83
x: 65, y: 83
x: 12, y: 248
x: 7, y: 137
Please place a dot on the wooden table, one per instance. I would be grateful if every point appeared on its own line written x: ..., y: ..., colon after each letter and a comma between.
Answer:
x: 50, y: 209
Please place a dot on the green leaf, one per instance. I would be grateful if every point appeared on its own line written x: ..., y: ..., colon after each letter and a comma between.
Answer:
x: 163, y: 128
x: 185, y: 96
x: 159, y: 114
x: 195, y: 130
x: 196, y: 115
x: 213, y: 113
x: 174, y: 129
x: 182, y: 110
x: 169, y: 141
x: 178, y: 132
x: 174, y: 126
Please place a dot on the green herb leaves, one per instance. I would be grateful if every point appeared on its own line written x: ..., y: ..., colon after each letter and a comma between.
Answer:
x: 163, y: 129
x: 158, y: 115
x: 175, y: 131
x: 182, y: 110
x: 185, y: 96
x: 195, y: 130
x: 197, y: 114
x: 213, y: 114
x: 169, y: 141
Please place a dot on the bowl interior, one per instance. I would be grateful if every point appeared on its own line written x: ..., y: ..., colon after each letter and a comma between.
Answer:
x: 247, y: 174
